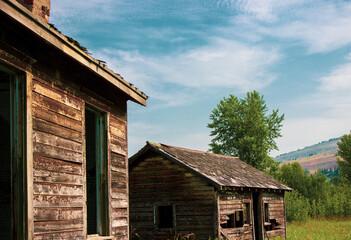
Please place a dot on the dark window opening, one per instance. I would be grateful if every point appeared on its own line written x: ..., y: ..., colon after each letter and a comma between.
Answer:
x: 228, y: 221
x: 13, y: 178
x: 5, y: 153
x: 165, y: 216
x: 96, y: 161
x: 266, y: 213
x: 247, y: 215
x: 234, y: 220
x: 239, y: 219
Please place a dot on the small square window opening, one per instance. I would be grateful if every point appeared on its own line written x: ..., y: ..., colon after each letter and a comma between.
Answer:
x: 165, y: 216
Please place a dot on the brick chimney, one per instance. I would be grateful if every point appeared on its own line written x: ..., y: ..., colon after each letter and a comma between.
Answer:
x: 40, y: 8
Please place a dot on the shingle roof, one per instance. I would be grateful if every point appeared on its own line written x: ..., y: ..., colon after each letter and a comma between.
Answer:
x: 218, y: 170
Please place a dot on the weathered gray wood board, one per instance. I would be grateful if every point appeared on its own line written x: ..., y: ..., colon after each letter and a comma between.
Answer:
x: 157, y: 181
x: 58, y: 172
x: 230, y: 203
x: 211, y: 195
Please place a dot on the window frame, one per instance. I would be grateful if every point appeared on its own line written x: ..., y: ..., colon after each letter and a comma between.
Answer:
x: 102, y: 185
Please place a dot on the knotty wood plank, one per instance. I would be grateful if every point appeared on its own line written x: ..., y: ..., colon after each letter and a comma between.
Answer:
x: 57, y: 95
x: 117, y: 133
x: 52, y: 140
x: 56, y: 226
x: 118, y: 160
x: 119, y: 149
x: 119, y: 222
x: 55, y: 177
x: 57, y: 153
x: 53, y: 117
x: 118, y: 123
x: 52, y: 214
x: 120, y: 231
x: 57, y: 189
x: 57, y: 107
x: 119, y: 213
x: 59, y: 166
x: 56, y: 130
x: 75, y: 234
x: 119, y: 203
x: 43, y: 201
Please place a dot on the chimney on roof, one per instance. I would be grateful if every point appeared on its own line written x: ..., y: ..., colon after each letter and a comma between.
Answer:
x: 40, y: 8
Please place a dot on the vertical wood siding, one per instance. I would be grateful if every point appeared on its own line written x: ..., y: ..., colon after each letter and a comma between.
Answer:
x: 156, y: 181
x: 228, y: 204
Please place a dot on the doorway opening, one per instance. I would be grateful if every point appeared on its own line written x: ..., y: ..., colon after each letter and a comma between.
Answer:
x: 257, y: 212
x: 12, y: 156
x: 96, y: 171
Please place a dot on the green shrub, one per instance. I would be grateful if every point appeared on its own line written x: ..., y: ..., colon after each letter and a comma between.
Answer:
x: 297, y: 206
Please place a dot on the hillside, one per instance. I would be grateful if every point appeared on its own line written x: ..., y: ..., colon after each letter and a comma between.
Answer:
x: 323, y: 160
x: 315, y: 149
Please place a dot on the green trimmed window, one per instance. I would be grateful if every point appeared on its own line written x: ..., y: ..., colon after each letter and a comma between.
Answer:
x: 96, y: 172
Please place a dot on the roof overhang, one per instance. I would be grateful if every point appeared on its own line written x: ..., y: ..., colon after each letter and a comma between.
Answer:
x: 151, y: 147
x: 49, y: 34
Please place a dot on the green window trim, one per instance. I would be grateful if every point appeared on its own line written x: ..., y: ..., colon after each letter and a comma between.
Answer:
x: 101, y: 174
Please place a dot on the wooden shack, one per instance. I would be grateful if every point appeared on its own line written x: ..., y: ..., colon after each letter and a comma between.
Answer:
x: 175, y: 190
x: 63, y: 133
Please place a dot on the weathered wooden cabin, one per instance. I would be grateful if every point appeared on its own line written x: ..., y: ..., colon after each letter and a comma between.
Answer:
x: 63, y: 133
x: 175, y: 190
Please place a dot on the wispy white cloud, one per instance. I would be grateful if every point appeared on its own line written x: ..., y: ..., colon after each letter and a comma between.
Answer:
x: 88, y: 10
x: 339, y: 80
x: 264, y: 10
x: 223, y: 63
x: 319, y: 25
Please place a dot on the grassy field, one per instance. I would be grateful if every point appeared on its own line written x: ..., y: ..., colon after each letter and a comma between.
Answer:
x: 320, y: 229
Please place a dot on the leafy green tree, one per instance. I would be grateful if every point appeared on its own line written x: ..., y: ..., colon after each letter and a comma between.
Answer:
x: 243, y: 128
x: 293, y: 175
x: 345, y: 152
x: 297, y: 206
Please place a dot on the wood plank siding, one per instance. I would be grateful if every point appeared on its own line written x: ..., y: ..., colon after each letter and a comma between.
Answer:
x: 58, y: 194
x: 58, y: 164
x: 231, y: 203
x: 71, y: 101
x: 159, y: 182
x: 276, y: 211
x: 193, y: 184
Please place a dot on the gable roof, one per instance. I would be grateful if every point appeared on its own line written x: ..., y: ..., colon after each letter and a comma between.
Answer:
x: 69, y: 47
x: 218, y: 170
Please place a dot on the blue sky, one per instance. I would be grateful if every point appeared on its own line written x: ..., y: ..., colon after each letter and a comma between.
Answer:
x: 186, y: 55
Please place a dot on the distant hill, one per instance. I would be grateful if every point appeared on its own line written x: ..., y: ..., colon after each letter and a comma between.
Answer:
x: 323, y: 160
x: 309, y: 151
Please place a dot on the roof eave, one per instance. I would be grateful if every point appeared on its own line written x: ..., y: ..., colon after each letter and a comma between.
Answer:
x: 181, y: 164
x: 58, y: 40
